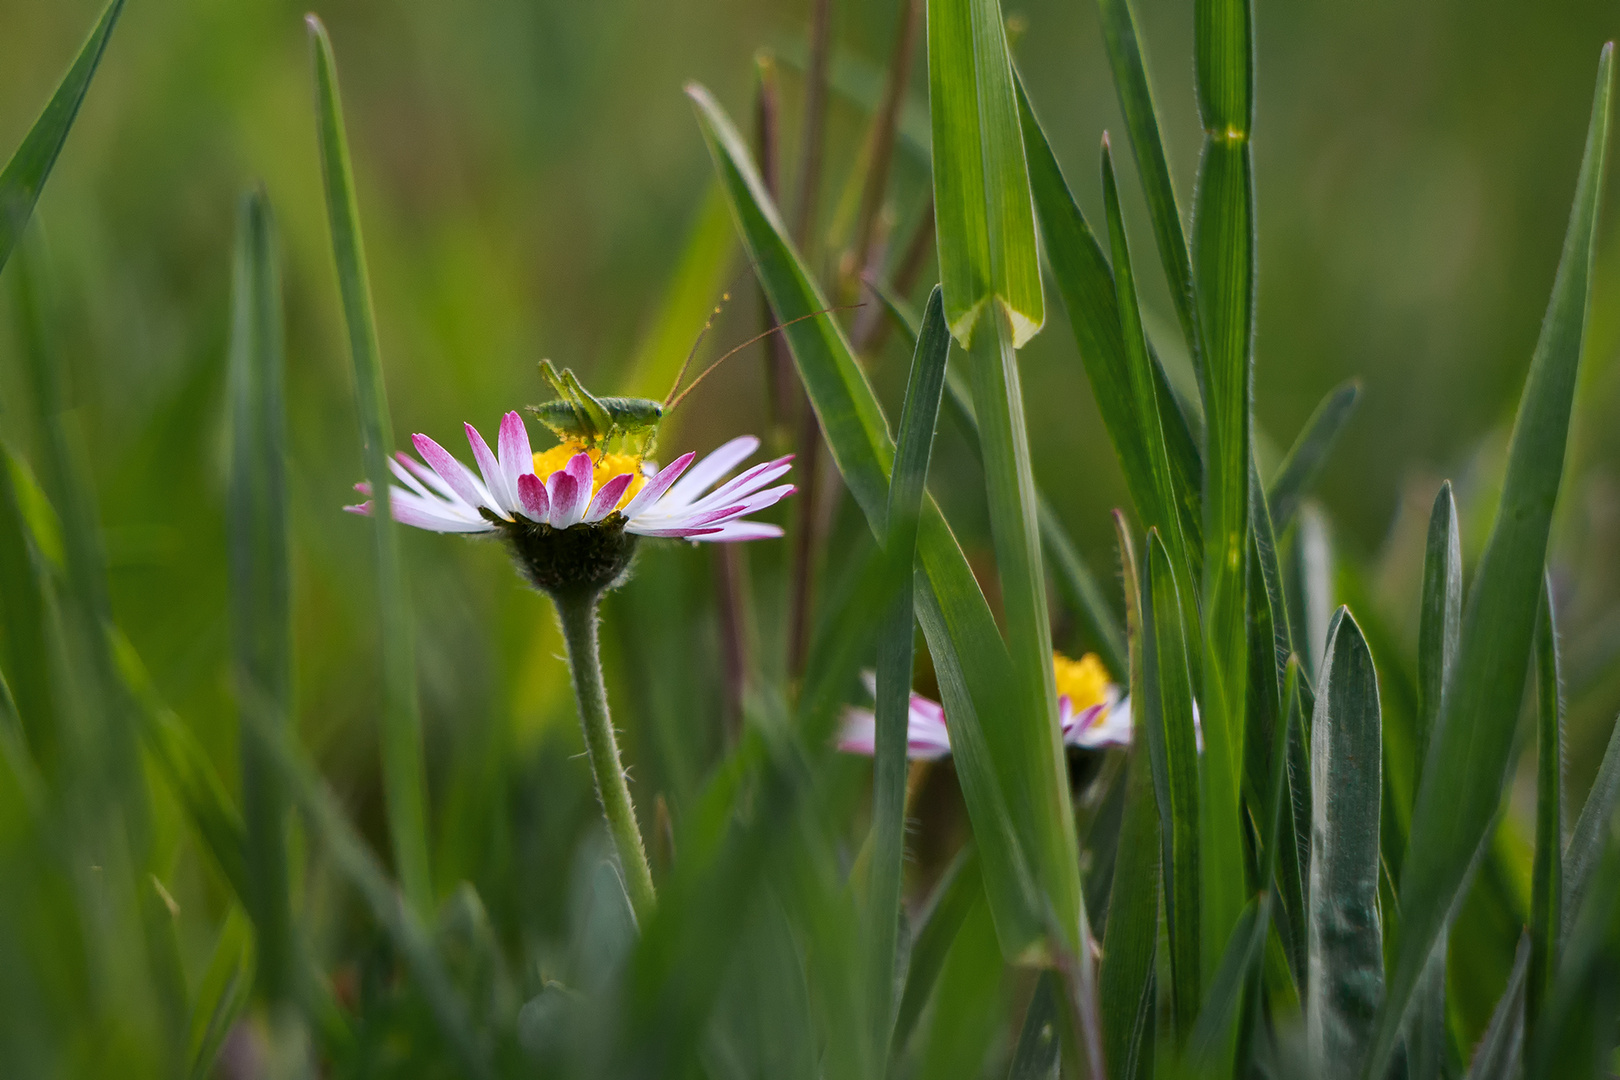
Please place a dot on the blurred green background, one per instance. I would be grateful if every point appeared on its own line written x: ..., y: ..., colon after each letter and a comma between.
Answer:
x: 529, y: 172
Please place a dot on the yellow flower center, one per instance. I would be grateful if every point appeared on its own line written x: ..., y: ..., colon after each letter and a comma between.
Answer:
x: 1085, y: 680
x: 606, y: 467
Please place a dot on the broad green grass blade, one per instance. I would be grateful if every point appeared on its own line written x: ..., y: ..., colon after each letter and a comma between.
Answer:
x: 1547, y: 875
x: 261, y: 600
x: 1020, y: 810
x: 1591, y: 829
x: 984, y: 220
x: 403, y: 772
x: 1346, y: 978
x: 1501, y: 1049
x: 1167, y: 718
x: 1142, y: 122
x: 919, y: 415
x: 1126, y: 987
x: 1076, y: 582
x: 1299, y: 470
x: 937, y: 926
x: 25, y: 174
x: 1471, y: 748
x: 1086, y: 284
x: 24, y: 655
x: 1139, y: 366
x: 1224, y: 274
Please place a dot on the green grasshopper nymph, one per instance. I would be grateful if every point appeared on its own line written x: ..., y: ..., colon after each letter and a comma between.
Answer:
x: 624, y: 425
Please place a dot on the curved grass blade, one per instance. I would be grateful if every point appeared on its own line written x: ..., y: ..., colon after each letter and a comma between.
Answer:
x: 1346, y: 979
x: 1039, y: 1049
x: 918, y: 417
x: 1501, y: 1049
x: 1086, y: 284
x: 984, y: 220
x: 401, y: 737
x: 937, y: 927
x: 1009, y: 769
x: 1167, y: 718
x: 1591, y: 829
x: 1547, y: 875
x: 30, y: 165
x: 1224, y: 272
x: 1142, y: 123
x: 261, y: 600
x: 1299, y: 470
x: 1126, y: 987
x: 1076, y: 582
x: 1224, y: 1003
x: 24, y: 654
x: 1472, y: 744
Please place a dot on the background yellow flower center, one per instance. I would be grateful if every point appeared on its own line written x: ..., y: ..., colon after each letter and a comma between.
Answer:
x: 1085, y: 680
x: 607, y: 467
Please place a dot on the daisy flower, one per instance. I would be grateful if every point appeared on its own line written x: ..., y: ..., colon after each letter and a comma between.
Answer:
x: 1091, y: 711
x: 571, y: 515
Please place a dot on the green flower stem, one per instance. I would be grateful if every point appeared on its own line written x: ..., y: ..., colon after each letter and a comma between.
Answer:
x: 577, y: 613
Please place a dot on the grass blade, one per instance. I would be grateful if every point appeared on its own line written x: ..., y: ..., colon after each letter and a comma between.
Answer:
x: 960, y: 885
x: 918, y: 417
x: 1547, y: 874
x: 984, y: 220
x: 24, y: 654
x: 1501, y: 1049
x: 1086, y: 284
x: 1224, y: 273
x: 1142, y: 123
x: 1126, y: 987
x: 261, y: 601
x: 1038, y: 1052
x: 1224, y: 1003
x: 1346, y: 942
x: 403, y: 770
x: 1167, y: 718
x: 1299, y: 470
x: 1591, y: 829
x: 30, y: 166
x: 1472, y: 744
x: 1021, y: 815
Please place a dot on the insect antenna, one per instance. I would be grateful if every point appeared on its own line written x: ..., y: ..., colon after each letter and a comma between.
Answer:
x: 673, y: 400
x: 708, y: 324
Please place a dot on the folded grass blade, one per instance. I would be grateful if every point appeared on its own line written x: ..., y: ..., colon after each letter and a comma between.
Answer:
x: 1501, y: 1049
x: 401, y: 737
x: 984, y: 221
x: 1471, y: 748
x: 1547, y: 874
x: 1346, y: 979
x: 30, y: 165
x: 1019, y: 809
x: 918, y: 417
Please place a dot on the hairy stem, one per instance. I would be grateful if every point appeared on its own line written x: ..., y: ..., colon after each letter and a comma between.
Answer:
x: 578, y: 614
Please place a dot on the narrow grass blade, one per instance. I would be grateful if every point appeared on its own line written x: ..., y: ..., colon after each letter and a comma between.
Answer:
x: 1501, y: 1049
x: 30, y: 165
x: 918, y: 417
x: 1126, y: 987
x: 1440, y: 618
x: 984, y: 221
x: 1224, y: 274
x: 225, y: 989
x: 24, y: 655
x: 1223, y: 1005
x: 1167, y: 720
x: 1019, y: 811
x: 1547, y: 875
x: 1346, y: 978
x: 1086, y: 284
x: 1076, y: 582
x: 1299, y: 470
x: 1591, y: 829
x: 1037, y: 1055
x: 936, y: 929
x: 401, y: 737
x: 1142, y: 122
x: 1472, y: 744
x: 261, y: 611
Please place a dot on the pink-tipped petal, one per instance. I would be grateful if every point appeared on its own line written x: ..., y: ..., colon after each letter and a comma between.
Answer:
x: 494, y: 480
x: 515, y: 457
x: 568, y: 499
x: 607, y: 497
x: 363, y: 509
x: 857, y: 733
x: 647, y: 496
x: 452, y: 472
x: 738, y: 531
x: 536, y: 503
x: 708, y: 471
